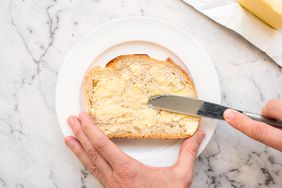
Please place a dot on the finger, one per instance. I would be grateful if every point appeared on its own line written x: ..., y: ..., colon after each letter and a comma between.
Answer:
x: 110, y: 152
x: 257, y: 130
x: 78, y: 150
x: 92, y: 153
x: 273, y: 109
x: 188, y: 152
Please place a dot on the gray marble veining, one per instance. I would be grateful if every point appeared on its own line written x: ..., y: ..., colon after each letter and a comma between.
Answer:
x: 36, y: 37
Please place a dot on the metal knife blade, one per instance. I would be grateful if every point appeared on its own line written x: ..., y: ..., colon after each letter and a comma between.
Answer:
x: 186, y: 105
x: 190, y: 106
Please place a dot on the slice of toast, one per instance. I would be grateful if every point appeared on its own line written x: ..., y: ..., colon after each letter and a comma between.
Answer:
x: 117, y: 98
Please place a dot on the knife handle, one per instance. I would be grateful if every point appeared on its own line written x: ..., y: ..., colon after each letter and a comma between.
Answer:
x: 261, y: 118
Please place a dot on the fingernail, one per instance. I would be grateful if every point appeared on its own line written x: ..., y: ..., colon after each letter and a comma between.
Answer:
x: 71, y: 120
x: 69, y: 141
x: 229, y: 115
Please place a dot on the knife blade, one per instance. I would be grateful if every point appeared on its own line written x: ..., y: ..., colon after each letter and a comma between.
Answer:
x: 191, y: 106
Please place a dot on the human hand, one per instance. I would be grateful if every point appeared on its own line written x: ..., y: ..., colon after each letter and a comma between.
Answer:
x: 259, y: 131
x: 113, y: 168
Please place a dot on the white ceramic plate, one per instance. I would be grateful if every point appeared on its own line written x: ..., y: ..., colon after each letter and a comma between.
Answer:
x: 137, y: 35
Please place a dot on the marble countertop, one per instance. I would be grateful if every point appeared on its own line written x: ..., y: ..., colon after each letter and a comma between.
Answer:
x: 36, y: 37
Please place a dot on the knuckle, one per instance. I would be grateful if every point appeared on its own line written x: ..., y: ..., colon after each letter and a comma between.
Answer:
x: 85, y: 126
x: 259, y: 131
x: 191, y: 148
x: 93, y: 170
x: 197, y: 143
x: 124, y: 170
x: 77, y: 132
x: 115, y: 164
x: 93, y: 154
x: 100, y: 144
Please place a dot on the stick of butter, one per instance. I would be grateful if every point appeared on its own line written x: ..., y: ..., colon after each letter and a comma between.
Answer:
x: 269, y: 11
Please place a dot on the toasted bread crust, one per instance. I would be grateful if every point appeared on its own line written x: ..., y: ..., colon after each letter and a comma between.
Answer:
x: 112, y: 64
x: 168, y: 61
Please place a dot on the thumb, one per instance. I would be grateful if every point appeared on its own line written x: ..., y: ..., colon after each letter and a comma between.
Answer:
x: 188, y: 151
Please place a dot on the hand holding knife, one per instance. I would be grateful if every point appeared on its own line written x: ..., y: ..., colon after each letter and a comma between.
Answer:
x: 190, y: 106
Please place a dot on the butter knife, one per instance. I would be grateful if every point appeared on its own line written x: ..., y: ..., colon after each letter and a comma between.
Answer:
x: 190, y: 106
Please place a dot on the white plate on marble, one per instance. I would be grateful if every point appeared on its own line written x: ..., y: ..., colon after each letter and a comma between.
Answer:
x: 137, y: 35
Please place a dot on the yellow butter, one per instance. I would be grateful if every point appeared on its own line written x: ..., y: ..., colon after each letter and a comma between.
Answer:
x: 269, y: 11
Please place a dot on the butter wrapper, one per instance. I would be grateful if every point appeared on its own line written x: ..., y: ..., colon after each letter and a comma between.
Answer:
x: 231, y: 15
